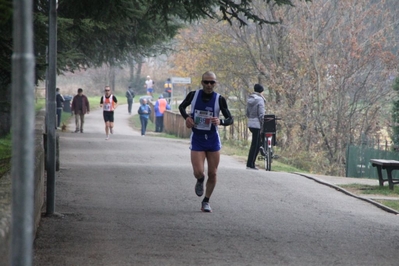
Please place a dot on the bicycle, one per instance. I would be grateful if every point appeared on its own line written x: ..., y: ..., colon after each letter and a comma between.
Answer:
x: 269, y: 140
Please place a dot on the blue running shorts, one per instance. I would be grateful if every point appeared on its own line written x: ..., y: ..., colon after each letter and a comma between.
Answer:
x: 205, y: 142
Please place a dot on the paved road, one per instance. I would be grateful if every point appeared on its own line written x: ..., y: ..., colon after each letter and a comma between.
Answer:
x: 130, y: 201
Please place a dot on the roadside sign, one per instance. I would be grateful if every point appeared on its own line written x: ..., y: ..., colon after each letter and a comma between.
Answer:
x: 181, y: 80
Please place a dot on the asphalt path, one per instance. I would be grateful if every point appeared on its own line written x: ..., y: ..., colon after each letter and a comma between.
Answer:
x: 130, y: 201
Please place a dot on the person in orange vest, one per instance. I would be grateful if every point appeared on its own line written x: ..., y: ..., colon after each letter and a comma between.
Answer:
x: 160, y: 107
x: 108, y: 103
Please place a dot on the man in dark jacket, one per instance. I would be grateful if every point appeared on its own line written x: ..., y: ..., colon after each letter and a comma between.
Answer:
x: 168, y: 89
x: 60, y: 104
x: 129, y: 96
x: 80, y: 106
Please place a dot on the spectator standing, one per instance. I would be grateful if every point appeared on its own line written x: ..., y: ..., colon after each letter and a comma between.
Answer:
x: 149, y: 85
x: 80, y: 106
x: 144, y: 111
x: 160, y: 107
x: 108, y: 103
x: 168, y: 89
x: 130, y: 95
x: 204, y: 120
x: 60, y: 104
x: 255, y: 111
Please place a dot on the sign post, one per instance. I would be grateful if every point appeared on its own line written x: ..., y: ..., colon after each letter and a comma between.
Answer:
x: 179, y: 80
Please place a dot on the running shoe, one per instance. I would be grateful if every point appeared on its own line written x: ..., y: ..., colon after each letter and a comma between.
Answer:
x: 199, y: 188
x: 107, y: 137
x: 111, y: 130
x: 206, y: 207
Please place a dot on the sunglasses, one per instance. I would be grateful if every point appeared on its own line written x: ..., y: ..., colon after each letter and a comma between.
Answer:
x: 107, y: 90
x: 209, y: 82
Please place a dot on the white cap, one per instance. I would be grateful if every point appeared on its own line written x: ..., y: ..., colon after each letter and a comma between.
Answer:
x: 148, y: 77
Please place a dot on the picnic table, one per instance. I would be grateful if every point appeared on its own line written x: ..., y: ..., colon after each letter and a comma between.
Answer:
x: 389, y: 166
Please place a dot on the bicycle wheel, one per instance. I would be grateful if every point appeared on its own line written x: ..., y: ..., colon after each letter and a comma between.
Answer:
x: 266, y: 158
x: 269, y: 159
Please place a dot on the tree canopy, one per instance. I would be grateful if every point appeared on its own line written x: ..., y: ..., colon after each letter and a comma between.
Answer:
x: 99, y: 31
x: 94, y: 32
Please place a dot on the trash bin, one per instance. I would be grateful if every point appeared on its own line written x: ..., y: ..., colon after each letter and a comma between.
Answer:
x: 67, y: 104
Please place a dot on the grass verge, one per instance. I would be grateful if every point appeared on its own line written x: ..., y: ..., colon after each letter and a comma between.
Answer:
x: 393, y: 204
x: 360, y: 189
x: 376, y: 191
x: 5, y: 154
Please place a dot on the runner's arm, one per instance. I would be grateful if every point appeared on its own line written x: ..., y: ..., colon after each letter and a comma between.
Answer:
x: 115, y: 101
x: 186, y: 102
x: 228, y: 119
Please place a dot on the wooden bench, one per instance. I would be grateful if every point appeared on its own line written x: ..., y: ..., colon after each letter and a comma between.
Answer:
x: 389, y: 166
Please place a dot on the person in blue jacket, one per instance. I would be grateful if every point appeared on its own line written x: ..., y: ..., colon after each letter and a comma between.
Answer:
x: 144, y: 111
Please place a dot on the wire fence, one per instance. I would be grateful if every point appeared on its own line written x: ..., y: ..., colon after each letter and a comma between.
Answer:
x: 358, y: 160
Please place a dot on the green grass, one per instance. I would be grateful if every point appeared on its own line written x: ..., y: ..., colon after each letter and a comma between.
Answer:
x: 393, y: 204
x: 40, y: 104
x: 372, y: 190
x: 359, y: 189
x: 281, y: 167
x: 5, y: 154
x: 240, y: 152
x: 135, y: 123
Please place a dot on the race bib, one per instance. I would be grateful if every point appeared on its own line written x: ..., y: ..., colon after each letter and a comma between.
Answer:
x: 202, y: 119
x: 107, y: 107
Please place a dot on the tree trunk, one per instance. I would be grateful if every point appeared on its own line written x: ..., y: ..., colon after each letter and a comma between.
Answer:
x: 5, y: 105
x: 112, y: 77
x: 138, y: 74
x: 131, y: 70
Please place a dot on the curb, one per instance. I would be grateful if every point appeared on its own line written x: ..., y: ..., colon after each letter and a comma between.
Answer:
x: 379, y: 205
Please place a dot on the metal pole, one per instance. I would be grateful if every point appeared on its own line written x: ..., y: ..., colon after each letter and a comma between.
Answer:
x: 51, y: 108
x: 23, y: 145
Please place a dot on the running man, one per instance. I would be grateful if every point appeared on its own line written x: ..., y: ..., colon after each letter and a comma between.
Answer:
x: 205, y: 141
x: 149, y: 85
x: 109, y: 103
